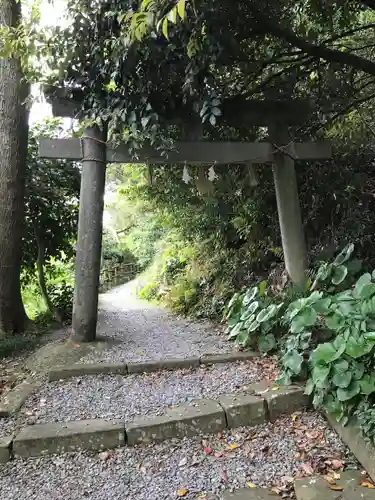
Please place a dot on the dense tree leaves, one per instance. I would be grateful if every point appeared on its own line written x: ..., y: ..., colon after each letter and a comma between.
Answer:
x: 52, y: 190
x: 213, y: 52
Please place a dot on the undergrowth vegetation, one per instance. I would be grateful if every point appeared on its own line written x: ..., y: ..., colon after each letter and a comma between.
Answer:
x: 325, y: 337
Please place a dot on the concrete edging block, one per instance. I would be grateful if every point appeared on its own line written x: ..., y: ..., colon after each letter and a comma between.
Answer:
x: 83, y: 369
x: 45, y: 439
x: 286, y: 400
x: 352, y: 436
x: 315, y: 487
x: 249, y: 494
x: 243, y: 410
x: 186, y: 420
x: 231, y: 357
x: 147, y: 366
x: 162, y: 364
x: 280, y: 399
x: 16, y: 397
x: 5, y: 449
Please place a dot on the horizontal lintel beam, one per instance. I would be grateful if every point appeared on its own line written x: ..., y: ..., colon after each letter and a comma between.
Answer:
x: 237, y: 111
x: 198, y: 152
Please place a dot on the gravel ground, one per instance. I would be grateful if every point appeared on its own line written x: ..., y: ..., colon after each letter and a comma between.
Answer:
x: 8, y: 426
x: 267, y: 455
x: 128, y: 396
x: 138, y: 330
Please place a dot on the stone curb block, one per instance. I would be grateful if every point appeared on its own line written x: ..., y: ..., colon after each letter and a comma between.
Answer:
x: 315, y: 487
x: 243, y: 410
x: 82, y: 369
x: 15, y: 398
x: 5, y: 449
x: 352, y: 436
x: 45, y: 439
x: 286, y: 400
x: 280, y: 399
x: 249, y: 494
x: 162, y: 364
x: 186, y: 420
x: 256, y: 406
x: 210, y: 359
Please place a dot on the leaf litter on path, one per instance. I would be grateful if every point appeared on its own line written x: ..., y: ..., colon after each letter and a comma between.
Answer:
x: 266, y: 457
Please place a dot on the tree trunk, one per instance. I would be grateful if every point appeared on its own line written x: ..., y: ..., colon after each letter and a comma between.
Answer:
x: 13, y: 151
x: 289, y: 210
x: 42, y: 281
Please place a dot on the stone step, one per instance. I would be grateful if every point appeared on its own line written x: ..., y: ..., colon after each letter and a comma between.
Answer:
x: 245, y: 494
x: 251, y: 494
x: 348, y: 487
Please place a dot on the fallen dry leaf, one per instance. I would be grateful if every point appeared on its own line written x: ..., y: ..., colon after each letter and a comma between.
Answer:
x: 182, y: 492
x: 234, y: 446
x: 220, y: 435
x: 251, y: 485
x: 331, y: 478
x: 224, y: 476
x: 76, y: 346
x: 105, y: 455
x: 218, y: 454
x: 182, y: 462
x: 367, y: 484
x: 207, y: 450
x: 337, y: 464
x: 276, y: 490
x: 307, y: 469
x: 336, y: 487
x: 275, y: 388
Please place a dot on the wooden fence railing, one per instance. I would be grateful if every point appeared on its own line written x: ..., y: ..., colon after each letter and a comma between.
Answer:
x: 117, y: 274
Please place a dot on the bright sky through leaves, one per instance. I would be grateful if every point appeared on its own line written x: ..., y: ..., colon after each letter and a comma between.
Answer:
x: 51, y: 14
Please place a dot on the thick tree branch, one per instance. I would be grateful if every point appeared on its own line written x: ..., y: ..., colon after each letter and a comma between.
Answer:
x: 369, y: 3
x: 318, y: 51
x: 353, y: 31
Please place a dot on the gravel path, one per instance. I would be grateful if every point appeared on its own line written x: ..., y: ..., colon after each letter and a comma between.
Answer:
x: 8, y: 426
x: 268, y: 455
x: 128, y: 396
x: 138, y: 330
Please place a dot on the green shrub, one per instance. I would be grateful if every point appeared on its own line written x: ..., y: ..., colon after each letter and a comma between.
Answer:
x: 149, y: 291
x: 61, y: 295
x: 253, y: 318
x: 329, y: 337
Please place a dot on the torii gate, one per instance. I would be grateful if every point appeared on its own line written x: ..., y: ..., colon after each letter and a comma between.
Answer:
x: 92, y: 151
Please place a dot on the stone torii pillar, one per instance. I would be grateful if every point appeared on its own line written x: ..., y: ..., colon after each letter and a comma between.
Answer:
x: 90, y: 229
x: 288, y: 205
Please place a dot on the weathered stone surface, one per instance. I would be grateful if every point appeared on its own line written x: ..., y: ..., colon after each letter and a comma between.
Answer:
x: 352, y: 437
x: 280, y: 399
x: 5, y: 445
x: 230, y: 357
x: 243, y: 410
x: 190, y: 419
x: 15, y: 398
x: 162, y: 364
x: 250, y: 494
x: 44, y: 439
x: 82, y: 369
x: 317, y: 488
x: 259, y: 388
x: 285, y: 400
